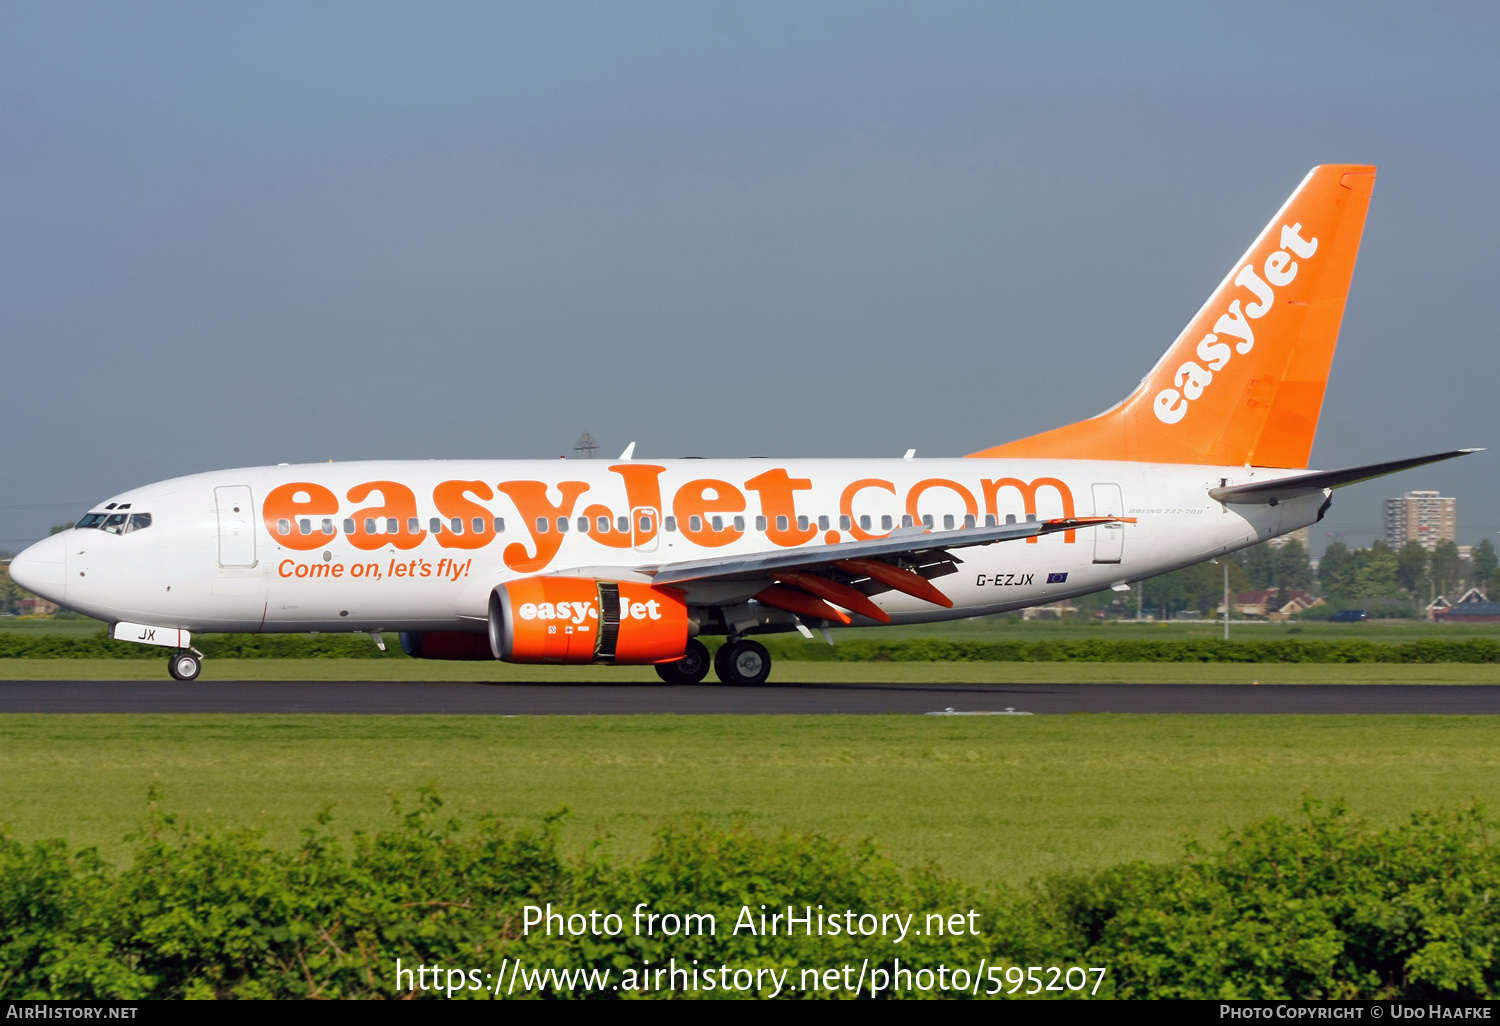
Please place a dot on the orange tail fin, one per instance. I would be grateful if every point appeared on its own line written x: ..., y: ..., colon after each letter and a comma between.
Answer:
x: 1243, y: 383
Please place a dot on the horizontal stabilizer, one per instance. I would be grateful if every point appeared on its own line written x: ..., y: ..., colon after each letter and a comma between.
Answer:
x: 1272, y: 492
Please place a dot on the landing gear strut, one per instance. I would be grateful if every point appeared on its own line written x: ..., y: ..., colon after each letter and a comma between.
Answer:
x: 690, y: 669
x: 743, y: 662
x: 184, y: 666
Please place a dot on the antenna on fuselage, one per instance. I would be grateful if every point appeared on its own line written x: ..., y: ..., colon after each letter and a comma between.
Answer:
x: 629, y: 452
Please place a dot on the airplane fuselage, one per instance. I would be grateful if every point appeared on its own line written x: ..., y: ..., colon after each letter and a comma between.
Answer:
x: 421, y: 545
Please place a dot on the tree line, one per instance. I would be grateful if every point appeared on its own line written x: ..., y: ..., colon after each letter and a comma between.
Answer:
x: 1380, y: 580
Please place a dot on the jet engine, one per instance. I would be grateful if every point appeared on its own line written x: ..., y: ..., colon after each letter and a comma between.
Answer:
x: 580, y: 620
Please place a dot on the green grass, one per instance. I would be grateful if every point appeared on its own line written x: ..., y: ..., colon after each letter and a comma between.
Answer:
x: 1008, y: 628
x: 74, y: 626
x: 1003, y: 799
x: 1003, y: 628
x: 785, y: 672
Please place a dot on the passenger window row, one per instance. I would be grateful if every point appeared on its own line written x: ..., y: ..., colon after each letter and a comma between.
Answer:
x: 393, y: 525
x: 124, y: 523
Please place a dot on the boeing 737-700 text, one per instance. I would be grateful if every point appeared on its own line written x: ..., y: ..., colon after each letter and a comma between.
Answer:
x: 633, y: 561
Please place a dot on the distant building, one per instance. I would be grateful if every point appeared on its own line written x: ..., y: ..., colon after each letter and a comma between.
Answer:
x: 1473, y: 606
x: 1425, y: 517
x: 1263, y: 603
x: 1300, y: 534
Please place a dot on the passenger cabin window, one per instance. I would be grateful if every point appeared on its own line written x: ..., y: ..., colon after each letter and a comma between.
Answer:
x: 456, y: 525
x: 622, y: 524
x: 739, y: 525
x: 478, y: 525
x: 413, y: 525
x: 864, y: 522
x: 781, y: 523
x: 886, y: 523
x: 695, y: 523
x: 583, y: 525
x: 369, y: 525
x: 542, y: 525
x: 283, y: 526
x: 562, y: 525
x: 760, y: 523
x: 327, y: 526
x: 844, y: 523
x: 392, y: 525
x: 927, y: 520
x: 989, y: 520
x: 718, y: 523
x: 822, y: 523
x: 435, y: 526
x: 138, y: 522
x: 348, y: 525
x: 304, y: 525
x: 91, y: 520
x: 644, y: 524
x: 969, y: 521
x: 670, y: 523
x: 499, y: 525
x: 603, y: 524
x: 947, y: 521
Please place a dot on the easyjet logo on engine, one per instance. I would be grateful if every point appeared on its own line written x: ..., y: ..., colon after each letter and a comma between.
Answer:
x: 1192, y: 378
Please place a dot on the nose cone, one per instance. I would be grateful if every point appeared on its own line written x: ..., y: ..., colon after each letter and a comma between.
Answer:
x: 43, y: 568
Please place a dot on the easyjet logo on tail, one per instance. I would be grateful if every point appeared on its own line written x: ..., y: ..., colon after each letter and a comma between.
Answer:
x: 1191, y: 379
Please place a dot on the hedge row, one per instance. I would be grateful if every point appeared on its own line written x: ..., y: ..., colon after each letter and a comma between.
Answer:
x: 18, y: 645
x: 1328, y: 907
x: 1124, y: 650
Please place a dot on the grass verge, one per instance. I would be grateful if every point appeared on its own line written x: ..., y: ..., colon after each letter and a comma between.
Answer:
x: 1000, y: 800
x: 785, y: 671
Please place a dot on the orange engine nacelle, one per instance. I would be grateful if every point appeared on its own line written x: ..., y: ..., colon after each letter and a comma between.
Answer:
x: 580, y: 620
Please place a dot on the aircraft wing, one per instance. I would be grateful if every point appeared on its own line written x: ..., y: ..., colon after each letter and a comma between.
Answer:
x: 911, y: 542
x: 1272, y: 492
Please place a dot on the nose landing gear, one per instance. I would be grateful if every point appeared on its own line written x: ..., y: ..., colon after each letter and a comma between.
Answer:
x: 743, y: 662
x: 184, y: 666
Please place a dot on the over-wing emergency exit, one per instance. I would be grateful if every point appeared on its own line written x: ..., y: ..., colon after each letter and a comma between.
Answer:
x: 635, y: 561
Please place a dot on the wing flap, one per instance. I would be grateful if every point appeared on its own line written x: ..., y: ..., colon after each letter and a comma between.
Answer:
x: 910, y: 542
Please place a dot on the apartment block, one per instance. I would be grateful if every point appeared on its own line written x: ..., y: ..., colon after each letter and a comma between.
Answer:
x: 1426, y: 517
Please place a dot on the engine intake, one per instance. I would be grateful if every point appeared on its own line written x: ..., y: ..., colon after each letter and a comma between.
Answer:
x: 581, y: 620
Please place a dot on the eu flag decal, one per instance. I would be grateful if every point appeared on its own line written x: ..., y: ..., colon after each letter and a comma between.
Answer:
x: 1057, y: 578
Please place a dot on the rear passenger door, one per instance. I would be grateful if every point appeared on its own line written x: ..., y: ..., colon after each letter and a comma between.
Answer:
x: 1109, y: 539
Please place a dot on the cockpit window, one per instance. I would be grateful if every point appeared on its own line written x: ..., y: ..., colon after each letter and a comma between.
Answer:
x: 91, y: 520
x: 115, y: 523
x: 138, y: 522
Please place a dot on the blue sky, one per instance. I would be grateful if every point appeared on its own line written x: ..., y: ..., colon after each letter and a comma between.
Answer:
x: 247, y: 234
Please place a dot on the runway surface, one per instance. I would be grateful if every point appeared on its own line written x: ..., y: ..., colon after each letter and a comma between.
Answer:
x: 390, y: 698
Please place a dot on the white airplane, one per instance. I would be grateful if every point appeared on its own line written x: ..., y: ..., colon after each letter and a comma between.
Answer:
x: 633, y: 561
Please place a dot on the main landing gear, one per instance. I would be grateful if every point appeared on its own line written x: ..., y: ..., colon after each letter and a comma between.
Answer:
x: 743, y: 661
x: 738, y: 662
x: 690, y: 669
x: 184, y: 666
